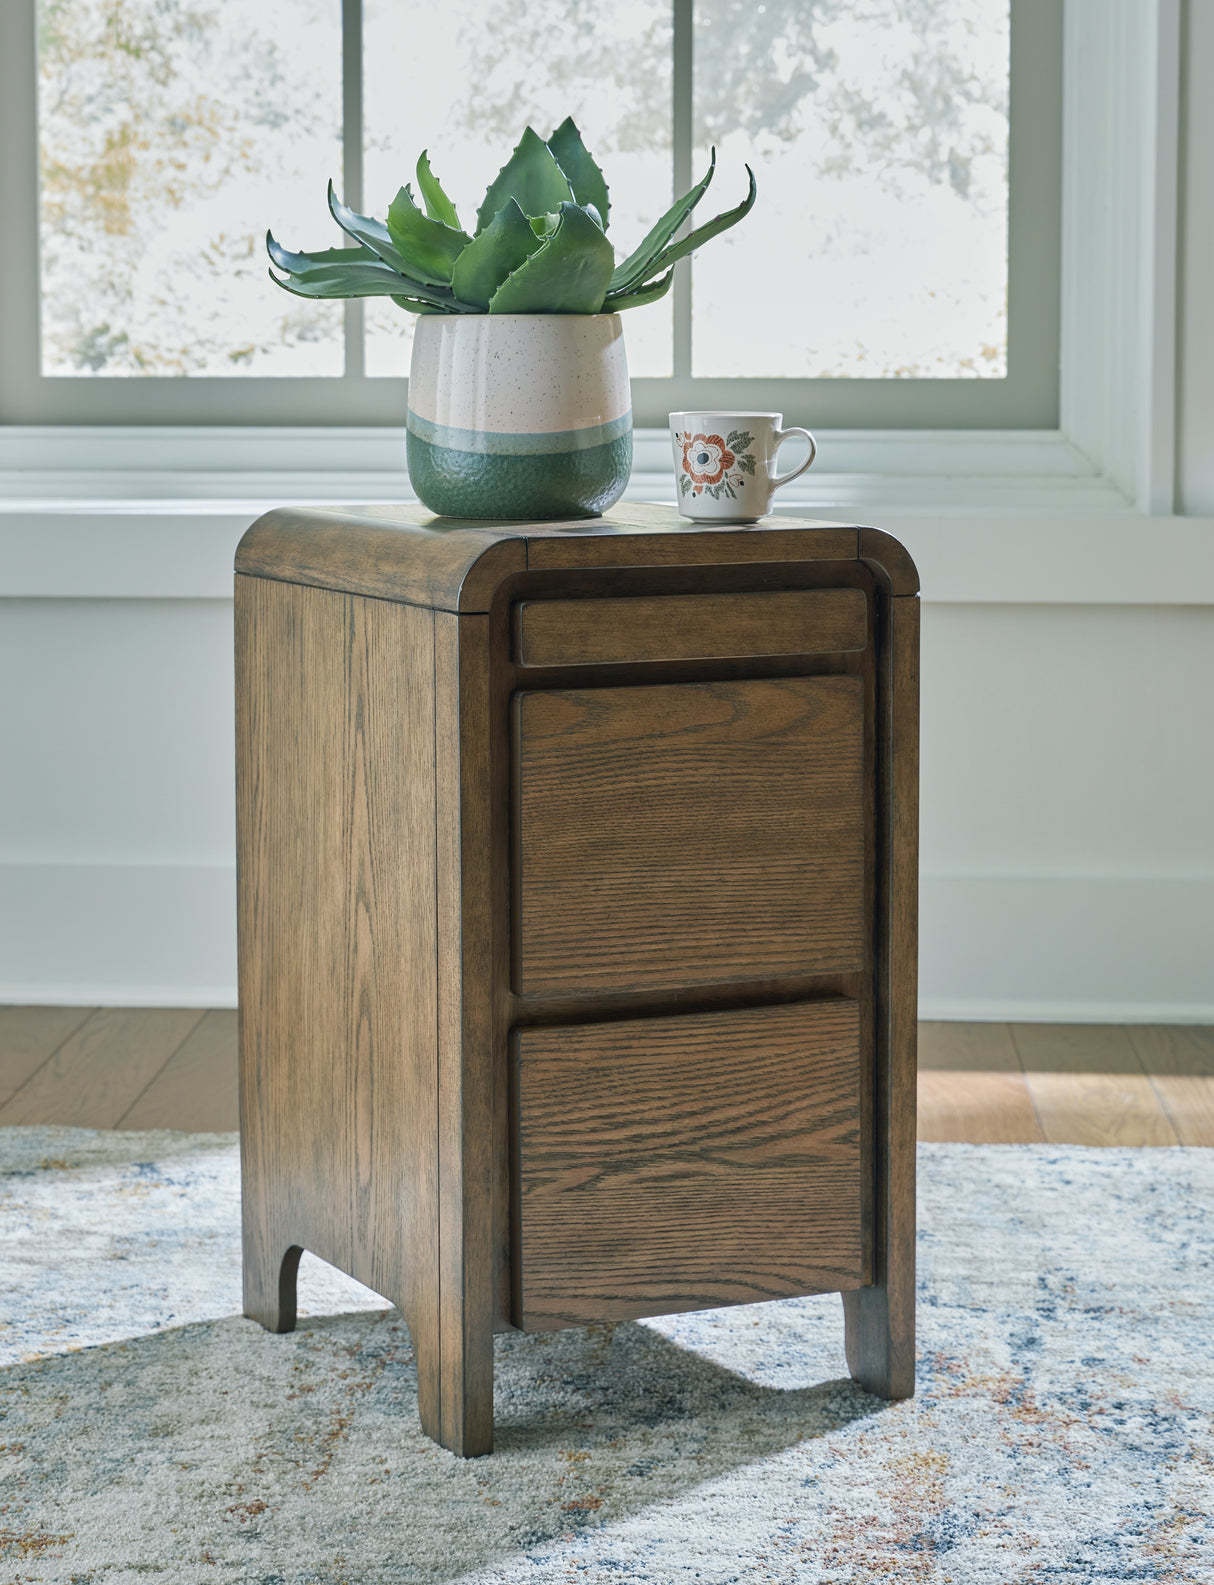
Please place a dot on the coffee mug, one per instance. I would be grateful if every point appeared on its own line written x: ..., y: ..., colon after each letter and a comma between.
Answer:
x: 725, y: 464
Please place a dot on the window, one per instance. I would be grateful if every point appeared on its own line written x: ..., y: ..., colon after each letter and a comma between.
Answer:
x: 908, y: 195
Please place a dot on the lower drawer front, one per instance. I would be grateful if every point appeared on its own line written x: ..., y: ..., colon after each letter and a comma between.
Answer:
x: 668, y: 1164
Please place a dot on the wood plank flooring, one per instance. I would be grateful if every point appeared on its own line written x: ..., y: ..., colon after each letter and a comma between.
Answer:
x: 1067, y: 1084
x: 1085, y: 1084
x: 119, y: 1067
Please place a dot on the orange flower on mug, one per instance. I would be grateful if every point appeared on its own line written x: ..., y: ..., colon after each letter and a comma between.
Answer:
x: 705, y: 459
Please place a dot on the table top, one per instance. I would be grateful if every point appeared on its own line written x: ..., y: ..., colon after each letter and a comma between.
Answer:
x: 404, y: 552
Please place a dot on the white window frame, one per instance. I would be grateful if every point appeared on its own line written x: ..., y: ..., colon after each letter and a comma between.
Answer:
x: 1109, y: 462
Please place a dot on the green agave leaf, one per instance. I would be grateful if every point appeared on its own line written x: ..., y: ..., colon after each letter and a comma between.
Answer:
x: 634, y: 266
x: 545, y: 225
x: 294, y: 262
x: 575, y: 160
x: 415, y: 306
x: 568, y: 275
x: 701, y: 234
x: 532, y: 177
x: 316, y: 285
x: 428, y: 247
x: 355, y: 280
x: 373, y: 234
x: 438, y: 205
x: 345, y: 272
x: 494, y: 253
x: 616, y: 303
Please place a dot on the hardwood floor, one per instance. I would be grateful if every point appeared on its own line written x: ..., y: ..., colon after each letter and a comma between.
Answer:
x: 1067, y: 1084
x: 1085, y: 1084
x: 117, y: 1067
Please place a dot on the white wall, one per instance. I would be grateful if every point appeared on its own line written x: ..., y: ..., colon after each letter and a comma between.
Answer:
x: 1067, y: 850
x: 117, y: 811
x: 1068, y: 731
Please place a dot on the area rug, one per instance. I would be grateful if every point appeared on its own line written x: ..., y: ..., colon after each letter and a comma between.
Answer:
x: 1062, y: 1429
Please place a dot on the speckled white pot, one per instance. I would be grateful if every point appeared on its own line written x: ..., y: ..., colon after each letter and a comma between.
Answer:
x: 519, y: 415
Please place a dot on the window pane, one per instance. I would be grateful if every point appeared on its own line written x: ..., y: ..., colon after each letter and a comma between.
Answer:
x: 491, y: 70
x: 878, y: 133
x: 172, y: 133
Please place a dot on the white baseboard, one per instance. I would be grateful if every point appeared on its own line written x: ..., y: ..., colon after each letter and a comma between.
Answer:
x: 118, y: 935
x: 1067, y: 949
x: 53, y: 993
x: 1074, y: 949
x: 941, y: 1010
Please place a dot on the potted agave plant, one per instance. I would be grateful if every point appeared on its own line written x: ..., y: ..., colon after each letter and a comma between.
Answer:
x: 519, y: 403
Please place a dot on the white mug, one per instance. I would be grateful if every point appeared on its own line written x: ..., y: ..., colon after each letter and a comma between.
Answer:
x: 725, y: 464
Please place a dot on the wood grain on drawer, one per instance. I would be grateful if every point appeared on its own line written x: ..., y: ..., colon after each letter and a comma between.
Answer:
x: 689, y: 627
x: 668, y: 1164
x: 688, y: 833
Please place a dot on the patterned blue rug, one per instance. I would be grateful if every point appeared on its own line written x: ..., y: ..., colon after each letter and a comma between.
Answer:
x: 1062, y: 1429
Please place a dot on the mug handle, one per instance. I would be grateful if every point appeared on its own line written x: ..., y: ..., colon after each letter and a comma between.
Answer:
x: 780, y: 436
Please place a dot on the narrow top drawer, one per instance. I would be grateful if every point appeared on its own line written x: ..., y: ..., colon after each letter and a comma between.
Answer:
x: 594, y: 632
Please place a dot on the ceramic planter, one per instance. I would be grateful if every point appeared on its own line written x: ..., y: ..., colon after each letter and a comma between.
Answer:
x: 519, y: 415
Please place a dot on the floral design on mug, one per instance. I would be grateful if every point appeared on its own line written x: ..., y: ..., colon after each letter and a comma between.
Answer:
x: 715, y: 466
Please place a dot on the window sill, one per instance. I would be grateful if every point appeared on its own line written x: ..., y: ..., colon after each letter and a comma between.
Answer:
x: 1017, y: 516
x: 968, y: 469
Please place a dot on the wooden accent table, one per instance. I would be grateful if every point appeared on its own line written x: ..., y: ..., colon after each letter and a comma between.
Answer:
x: 577, y: 911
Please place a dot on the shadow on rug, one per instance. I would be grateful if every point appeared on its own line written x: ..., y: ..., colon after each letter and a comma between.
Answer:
x: 1062, y: 1429
x: 299, y: 1458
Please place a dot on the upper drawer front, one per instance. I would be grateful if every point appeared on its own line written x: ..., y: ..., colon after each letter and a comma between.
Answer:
x: 689, y: 833
x: 689, y: 627
x: 667, y: 1164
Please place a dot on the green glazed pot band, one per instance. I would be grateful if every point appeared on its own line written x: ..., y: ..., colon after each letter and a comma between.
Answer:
x: 559, y: 484
x: 493, y: 443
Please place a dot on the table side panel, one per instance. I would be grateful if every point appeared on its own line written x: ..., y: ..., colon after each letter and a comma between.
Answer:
x: 881, y: 1319
x: 337, y: 936
x: 471, y: 1067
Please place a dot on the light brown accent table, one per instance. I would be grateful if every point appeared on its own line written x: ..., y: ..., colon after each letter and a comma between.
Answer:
x: 577, y: 892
